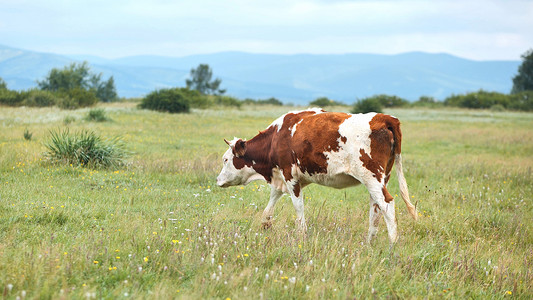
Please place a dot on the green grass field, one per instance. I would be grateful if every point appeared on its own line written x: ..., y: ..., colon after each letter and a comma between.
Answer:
x: 159, y: 228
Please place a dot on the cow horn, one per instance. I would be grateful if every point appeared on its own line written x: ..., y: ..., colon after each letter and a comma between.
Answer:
x: 226, y: 141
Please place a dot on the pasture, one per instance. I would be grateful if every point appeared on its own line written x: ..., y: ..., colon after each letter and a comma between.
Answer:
x: 160, y: 228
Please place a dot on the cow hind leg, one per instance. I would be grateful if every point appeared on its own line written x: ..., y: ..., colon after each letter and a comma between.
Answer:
x: 385, y: 203
x: 266, y: 218
x: 375, y: 215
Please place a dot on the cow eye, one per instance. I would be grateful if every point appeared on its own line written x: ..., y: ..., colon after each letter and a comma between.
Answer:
x: 225, y: 160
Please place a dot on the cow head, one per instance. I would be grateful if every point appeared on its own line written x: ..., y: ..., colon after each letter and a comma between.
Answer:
x: 234, y: 170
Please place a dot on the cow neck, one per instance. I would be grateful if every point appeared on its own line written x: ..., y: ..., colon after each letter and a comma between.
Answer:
x: 258, y: 153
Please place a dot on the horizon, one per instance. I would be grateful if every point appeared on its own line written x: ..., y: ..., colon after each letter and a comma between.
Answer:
x: 77, y: 56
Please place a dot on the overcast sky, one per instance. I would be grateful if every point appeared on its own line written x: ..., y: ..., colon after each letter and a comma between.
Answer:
x: 478, y: 29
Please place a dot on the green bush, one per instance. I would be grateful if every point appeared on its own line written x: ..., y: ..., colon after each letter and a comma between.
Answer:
x: 76, y: 98
x: 521, y: 101
x: 426, y: 101
x: 172, y: 100
x: 324, y: 101
x: 479, y: 99
x: 39, y: 98
x: 269, y: 101
x: 96, y: 115
x: 10, y: 98
x: 197, y: 100
x: 85, y: 148
x: 367, y: 105
x: 227, y: 101
x: 390, y: 101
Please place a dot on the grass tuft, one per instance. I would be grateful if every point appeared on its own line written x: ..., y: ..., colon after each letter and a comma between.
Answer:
x: 97, y: 115
x: 85, y: 148
x: 27, y: 135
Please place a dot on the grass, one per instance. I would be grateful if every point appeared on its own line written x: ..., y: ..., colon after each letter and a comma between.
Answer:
x: 84, y: 148
x: 159, y: 228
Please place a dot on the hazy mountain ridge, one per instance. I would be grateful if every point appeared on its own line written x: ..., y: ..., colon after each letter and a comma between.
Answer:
x: 291, y: 78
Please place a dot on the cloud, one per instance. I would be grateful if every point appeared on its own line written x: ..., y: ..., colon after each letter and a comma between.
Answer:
x: 492, y: 29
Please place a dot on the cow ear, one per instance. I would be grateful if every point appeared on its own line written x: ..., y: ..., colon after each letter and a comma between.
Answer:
x: 240, y: 148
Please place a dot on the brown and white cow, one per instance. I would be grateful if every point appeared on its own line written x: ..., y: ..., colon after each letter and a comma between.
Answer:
x: 328, y: 148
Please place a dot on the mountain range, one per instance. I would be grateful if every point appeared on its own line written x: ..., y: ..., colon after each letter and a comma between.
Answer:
x: 298, y: 79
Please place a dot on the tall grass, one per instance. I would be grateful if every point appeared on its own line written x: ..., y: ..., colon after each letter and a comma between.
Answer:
x: 84, y: 148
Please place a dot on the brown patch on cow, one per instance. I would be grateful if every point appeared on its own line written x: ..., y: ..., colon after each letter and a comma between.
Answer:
x: 239, y: 148
x: 314, y: 136
x: 376, y: 208
x: 370, y: 164
x: 257, y: 154
x: 296, y: 188
x: 343, y: 139
x: 388, y: 197
x: 385, y: 142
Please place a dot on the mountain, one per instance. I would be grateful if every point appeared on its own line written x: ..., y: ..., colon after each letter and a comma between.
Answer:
x: 290, y: 78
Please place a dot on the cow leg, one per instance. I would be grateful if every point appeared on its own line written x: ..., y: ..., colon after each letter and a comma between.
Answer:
x: 375, y: 215
x: 298, y: 203
x: 266, y: 218
x: 385, y: 202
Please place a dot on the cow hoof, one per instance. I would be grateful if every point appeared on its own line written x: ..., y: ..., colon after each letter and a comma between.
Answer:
x: 267, y: 225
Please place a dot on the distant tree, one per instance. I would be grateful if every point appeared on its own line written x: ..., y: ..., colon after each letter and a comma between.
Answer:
x: 105, y: 91
x: 70, y: 77
x: 78, y: 76
x: 523, y: 81
x: 3, y: 84
x: 324, y: 101
x: 201, y: 81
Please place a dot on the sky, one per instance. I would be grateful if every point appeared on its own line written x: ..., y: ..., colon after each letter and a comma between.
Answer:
x: 474, y: 29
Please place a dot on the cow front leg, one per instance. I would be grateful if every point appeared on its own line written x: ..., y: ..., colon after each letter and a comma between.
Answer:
x: 298, y: 203
x: 266, y: 218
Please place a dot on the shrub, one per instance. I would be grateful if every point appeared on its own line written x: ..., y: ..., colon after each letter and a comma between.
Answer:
x: 39, y: 98
x: 76, y: 98
x: 96, y: 115
x: 324, y: 101
x: 85, y: 148
x: 479, y: 99
x: 521, y: 101
x: 390, y: 101
x: 367, y: 105
x: 269, y: 101
x: 426, y: 101
x: 197, y: 100
x: 167, y: 100
x: 227, y: 101
x: 11, y: 98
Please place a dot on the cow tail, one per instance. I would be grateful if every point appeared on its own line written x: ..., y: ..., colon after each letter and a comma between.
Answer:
x: 403, y: 187
x: 404, y: 191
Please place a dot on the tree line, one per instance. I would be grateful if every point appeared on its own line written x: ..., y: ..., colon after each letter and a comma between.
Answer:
x: 76, y: 86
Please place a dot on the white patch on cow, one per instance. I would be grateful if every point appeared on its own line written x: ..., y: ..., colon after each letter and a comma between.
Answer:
x: 293, y: 129
x: 230, y: 176
x: 279, y: 121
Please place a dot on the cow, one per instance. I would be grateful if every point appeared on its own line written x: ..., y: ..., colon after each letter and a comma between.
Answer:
x: 332, y: 149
